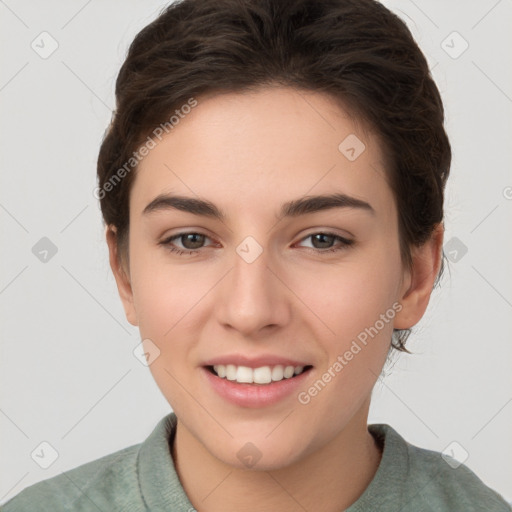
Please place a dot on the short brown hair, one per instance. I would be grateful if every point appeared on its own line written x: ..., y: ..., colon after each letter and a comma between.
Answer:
x: 356, y: 51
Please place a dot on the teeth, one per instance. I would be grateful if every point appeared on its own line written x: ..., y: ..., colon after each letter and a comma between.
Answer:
x: 220, y: 370
x: 277, y: 373
x: 288, y: 371
x: 230, y: 372
x: 261, y: 375
x: 244, y: 374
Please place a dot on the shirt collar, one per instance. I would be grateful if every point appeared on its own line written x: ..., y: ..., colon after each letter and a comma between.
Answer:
x: 392, y: 472
x: 160, y: 487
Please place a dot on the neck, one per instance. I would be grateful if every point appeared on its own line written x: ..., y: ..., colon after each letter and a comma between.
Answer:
x: 328, y: 480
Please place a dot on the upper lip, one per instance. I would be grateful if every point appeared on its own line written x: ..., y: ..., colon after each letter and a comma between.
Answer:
x: 254, y: 362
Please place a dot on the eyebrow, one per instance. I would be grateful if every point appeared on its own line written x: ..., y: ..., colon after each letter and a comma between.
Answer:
x: 295, y: 208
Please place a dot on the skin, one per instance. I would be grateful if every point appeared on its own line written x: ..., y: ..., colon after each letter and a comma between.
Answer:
x: 248, y: 154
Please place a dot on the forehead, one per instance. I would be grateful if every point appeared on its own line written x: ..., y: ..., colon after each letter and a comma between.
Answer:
x: 266, y: 147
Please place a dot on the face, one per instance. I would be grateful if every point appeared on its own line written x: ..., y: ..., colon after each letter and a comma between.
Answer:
x: 257, y: 281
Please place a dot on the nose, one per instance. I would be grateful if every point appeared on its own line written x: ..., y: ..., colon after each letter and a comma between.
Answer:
x: 252, y: 297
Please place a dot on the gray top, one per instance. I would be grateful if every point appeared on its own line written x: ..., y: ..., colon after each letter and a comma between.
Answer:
x: 142, y: 478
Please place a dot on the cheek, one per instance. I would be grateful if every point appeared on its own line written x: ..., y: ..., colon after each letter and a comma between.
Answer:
x: 354, y: 302
x: 357, y: 304
x: 163, y: 291
x: 165, y: 299
x: 348, y: 297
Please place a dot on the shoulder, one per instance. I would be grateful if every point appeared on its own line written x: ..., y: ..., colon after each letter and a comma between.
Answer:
x: 434, y: 481
x: 106, y: 483
x: 138, y: 478
x: 454, y: 486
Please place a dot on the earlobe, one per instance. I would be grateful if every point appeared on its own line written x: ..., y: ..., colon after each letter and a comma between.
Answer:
x: 415, y: 295
x: 121, y: 275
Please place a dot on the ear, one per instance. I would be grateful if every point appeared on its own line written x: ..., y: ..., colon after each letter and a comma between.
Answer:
x: 420, y: 279
x: 121, y: 275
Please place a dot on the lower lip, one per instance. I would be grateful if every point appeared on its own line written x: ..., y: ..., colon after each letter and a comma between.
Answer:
x: 255, y: 395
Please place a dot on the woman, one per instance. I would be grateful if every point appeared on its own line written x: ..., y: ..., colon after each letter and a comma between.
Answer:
x: 272, y: 188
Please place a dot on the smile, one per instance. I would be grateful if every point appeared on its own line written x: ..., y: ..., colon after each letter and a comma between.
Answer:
x: 260, y: 375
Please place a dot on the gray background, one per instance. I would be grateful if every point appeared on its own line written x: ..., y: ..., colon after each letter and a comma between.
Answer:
x: 68, y: 374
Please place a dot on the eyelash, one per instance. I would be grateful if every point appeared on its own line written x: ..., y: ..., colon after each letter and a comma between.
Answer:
x: 345, y: 243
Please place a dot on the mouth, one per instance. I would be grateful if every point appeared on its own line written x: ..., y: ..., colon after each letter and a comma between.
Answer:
x: 256, y: 381
x: 263, y: 375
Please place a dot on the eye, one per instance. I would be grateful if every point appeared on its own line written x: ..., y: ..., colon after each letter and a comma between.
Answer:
x: 323, y: 242
x: 191, y: 243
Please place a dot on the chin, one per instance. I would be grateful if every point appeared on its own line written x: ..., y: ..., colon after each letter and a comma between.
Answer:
x: 261, y: 454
